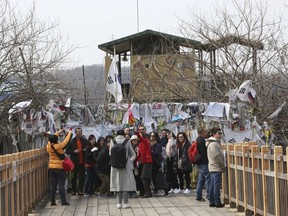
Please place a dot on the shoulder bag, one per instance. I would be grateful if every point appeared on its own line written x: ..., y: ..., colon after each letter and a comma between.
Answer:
x: 68, y: 165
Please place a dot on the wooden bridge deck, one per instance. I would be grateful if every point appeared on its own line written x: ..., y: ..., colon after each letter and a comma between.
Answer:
x: 176, y: 205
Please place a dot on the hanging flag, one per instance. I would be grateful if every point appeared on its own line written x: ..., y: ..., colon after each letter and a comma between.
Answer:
x: 246, y: 92
x: 131, y: 119
x: 113, y: 84
x: 276, y: 112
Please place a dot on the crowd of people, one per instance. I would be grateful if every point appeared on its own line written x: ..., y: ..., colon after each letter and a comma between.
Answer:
x: 155, y: 163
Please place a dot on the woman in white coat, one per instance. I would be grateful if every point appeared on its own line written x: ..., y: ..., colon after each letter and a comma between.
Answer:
x: 122, y: 180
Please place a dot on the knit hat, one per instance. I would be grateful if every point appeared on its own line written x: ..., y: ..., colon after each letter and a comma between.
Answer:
x: 134, y: 137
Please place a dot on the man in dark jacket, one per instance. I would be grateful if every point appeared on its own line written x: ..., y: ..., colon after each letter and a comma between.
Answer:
x: 202, y: 166
x: 76, y: 149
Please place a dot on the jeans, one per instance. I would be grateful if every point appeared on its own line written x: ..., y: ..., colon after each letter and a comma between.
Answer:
x: 89, y: 181
x: 214, y: 194
x: 203, y: 178
x: 57, y: 177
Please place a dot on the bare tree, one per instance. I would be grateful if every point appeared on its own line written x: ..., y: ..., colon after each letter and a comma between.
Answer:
x: 242, y: 43
x: 30, y: 50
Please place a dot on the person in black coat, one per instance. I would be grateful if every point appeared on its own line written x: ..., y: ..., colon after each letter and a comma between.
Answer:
x: 158, y: 177
x: 90, y: 166
x: 182, y: 162
x: 76, y: 149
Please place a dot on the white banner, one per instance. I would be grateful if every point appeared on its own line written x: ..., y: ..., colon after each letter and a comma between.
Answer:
x: 231, y: 136
x: 113, y: 84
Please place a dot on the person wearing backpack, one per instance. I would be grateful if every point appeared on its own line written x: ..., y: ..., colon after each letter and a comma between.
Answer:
x: 202, y: 165
x: 122, y: 178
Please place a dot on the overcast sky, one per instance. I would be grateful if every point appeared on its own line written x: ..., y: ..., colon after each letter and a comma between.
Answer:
x: 88, y: 23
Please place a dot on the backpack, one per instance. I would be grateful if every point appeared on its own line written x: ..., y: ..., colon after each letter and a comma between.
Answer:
x: 193, y: 153
x: 118, y: 154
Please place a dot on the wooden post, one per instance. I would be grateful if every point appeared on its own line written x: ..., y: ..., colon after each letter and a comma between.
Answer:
x: 27, y: 180
x: 237, y: 148
x: 16, y: 188
x: 1, y: 179
x: 245, y: 157
x: 22, y: 171
x: 5, y: 178
x: 278, y: 168
x: 12, y: 194
x: 229, y: 161
x: 224, y: 148
x: 254, y: 151
x: 265, y: 166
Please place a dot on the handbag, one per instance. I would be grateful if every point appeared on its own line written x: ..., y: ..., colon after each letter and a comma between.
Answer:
x: 68, y: 165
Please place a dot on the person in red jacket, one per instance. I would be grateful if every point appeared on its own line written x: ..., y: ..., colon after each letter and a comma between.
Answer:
x: 145, y: 158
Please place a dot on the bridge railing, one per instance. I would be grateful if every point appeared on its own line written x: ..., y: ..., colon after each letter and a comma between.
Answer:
x: 23, y: 181
x: 256, y: 181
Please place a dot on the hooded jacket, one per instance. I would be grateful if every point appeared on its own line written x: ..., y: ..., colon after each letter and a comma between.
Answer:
x: 54, y: 161
x: 215, y: 155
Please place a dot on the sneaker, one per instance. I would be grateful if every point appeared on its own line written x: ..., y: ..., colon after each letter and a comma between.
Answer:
x: 125, y: 206
x: 80, y: 194
x: 119, y: 206
x: 177, y: 191
x: 73, y: 194
x: 65, y: 203
x: 86, y: 194
x: 53, y: 203
x: 187, y: 191
x: 171, y: 191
